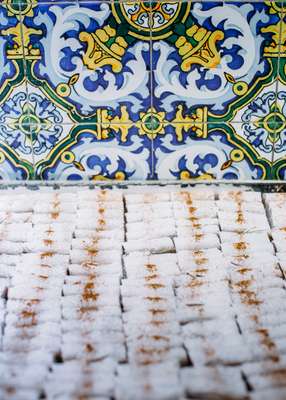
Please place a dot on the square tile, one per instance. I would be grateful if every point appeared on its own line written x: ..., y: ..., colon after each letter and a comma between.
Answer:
x: 97, y: 152
x: 90, y: 59
x: 278, y: 136
x: 142, y: 82
x: 214, y: 55
x: 15, y: 123
x: 206, y: 152
x: 13, y: 165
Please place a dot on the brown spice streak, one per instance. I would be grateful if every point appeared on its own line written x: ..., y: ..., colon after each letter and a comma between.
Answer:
x: 198, y: 237
x: 243, y: 271
x: 154, y: 299
x: 240, y: 245
x: 91, y: 251
x: 152, y: 352
x: 249, y: 298
x: 55, y: 215
x: 48, y: 242
x: 46, y: 254
x: 151, y: 267
x: 201, y: 261
x: 195, y: 283
x: 155, y: 286
x: 150, y: 277
x: 155, y: 311
x: 89, y: 348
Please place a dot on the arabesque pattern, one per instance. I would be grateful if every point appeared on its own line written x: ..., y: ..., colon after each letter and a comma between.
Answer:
x: 136, y: 90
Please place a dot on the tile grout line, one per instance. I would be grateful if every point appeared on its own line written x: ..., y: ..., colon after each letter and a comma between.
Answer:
x: 22, y: 17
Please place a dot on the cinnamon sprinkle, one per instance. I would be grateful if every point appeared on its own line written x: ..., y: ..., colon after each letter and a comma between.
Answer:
x: 244, y: 284
x: 91, y: 251
x: 46, y: 254
x: 198, y: 253
x: 201, y: 271
x: 159, y: 338
x: 150, y: 277
x: 195, y: 283
x: 56, y: 203
x: 269, y: 344
x: 55, y: 215
x: 155, y: 299
x: 249, y: 298
x: 243, y: 271
x: 89, y: 265
x: 101, y: 223
x: 240, y: 217
x: 198, y: 236
x: 151, y: 267
x: 157, y: 323
x: 240, y: 245
x: 155, y: 311
x: 89, y: 348
x: 155, y: 286
x: 201, y: 261
x: 10, y: 390
x: 151, y: 352
x: 90, y: 295
x: 48, y: 242
x: 49, y: 231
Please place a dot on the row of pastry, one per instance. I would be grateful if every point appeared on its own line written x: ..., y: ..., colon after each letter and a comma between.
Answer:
x: 154, y: 219
x: 35, y: 263
x: 258, y: 294
x: 204, y: 306
x: 154, y: 345
x: 176, y: 304
x: 92, y: 338
x: 276, y: 208
x: 153, y: 340
x: 40, y: 247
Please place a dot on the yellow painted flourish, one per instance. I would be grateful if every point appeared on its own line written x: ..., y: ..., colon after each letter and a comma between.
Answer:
x: 153, y: 123
x: 103, y: 48
x: 106, y: 123
x: 204, y: 52
x: 21, y: 37
x: 196, y: 122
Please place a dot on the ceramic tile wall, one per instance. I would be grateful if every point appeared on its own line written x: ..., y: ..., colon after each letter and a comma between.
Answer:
x: 140, y: 90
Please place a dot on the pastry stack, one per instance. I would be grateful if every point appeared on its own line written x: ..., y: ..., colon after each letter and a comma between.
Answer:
x: 257, y: 288
x: 275, y: 206
x: 149, y: 223
x: 162, y: 294
x: 32, y: 330
x: 154, y: 345
x: 92, y: 334
x: 15, y: 227
x: 203, y: 300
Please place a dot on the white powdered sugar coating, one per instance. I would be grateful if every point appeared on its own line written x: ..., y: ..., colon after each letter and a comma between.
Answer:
x: 150, y: 294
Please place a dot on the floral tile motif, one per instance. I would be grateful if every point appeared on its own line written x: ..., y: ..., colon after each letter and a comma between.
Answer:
x: 219, y: 68
x: 85, y: 156
x: 136, y: 90
x: 211, y: 156
x: 279, y: 152
x: 88, y: 61
x: 215, y: 57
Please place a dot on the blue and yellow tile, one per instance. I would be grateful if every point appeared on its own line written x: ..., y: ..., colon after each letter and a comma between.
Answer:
x: 143, y: 89
x: 87, y: 61
x: 205, y: 152
x: 99, y: 152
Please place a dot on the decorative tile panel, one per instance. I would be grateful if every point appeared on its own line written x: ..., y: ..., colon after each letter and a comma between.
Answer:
x: 139, y: 90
